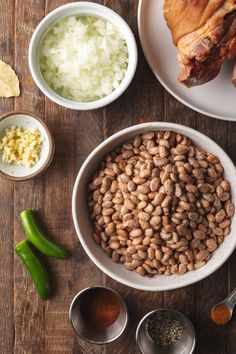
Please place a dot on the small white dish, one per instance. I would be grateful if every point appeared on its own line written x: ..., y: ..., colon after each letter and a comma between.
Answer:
x: 76, y: 8
x: 84, y: 228
x: 27, y: 121
x: 215, y: 98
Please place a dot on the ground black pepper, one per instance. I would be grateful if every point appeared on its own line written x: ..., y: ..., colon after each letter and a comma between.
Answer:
x: 100, y: 308
x: 164, y: 330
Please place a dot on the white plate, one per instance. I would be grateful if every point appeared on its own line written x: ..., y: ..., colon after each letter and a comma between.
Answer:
x: 216, y: 98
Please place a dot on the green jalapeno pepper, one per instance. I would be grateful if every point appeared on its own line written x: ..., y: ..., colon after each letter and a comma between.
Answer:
x: 38, y: 272
x: 38, y: 238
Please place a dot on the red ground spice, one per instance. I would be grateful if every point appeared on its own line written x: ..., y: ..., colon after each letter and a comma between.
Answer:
x: 100, y: 308
x: 220, y: 315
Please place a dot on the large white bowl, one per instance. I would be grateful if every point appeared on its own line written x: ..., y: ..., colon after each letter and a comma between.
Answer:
x: 80, y: 8
x: 83, y: 225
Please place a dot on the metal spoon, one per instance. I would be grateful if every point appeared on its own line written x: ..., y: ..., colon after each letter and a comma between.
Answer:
x: 228, y: 304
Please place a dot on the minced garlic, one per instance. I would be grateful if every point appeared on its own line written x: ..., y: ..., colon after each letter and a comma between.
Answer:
x: 21, y: 146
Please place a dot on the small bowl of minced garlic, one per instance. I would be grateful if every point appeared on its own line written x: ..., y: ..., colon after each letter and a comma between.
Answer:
x: 26, y: 146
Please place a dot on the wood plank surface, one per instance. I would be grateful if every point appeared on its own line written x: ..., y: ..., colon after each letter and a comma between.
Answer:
x: 29, y: 325
x: 6, y: 194
x: 28, y: 308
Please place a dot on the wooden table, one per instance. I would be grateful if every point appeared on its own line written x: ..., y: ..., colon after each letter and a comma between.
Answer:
x: 29, y: 325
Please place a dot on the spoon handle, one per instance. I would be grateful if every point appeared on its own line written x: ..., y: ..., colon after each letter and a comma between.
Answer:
x: 232, y: 297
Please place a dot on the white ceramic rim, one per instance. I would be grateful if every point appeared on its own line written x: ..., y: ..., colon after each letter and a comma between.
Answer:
x: 155, y: 72
x: 93, y: 8
x: 154, y: 126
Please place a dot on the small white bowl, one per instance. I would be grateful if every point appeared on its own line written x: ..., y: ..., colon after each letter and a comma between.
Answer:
x: 27, y: 121
x: 77, y: 8
x: 84, y: 228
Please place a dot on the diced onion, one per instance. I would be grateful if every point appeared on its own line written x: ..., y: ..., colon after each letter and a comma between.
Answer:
x: 83, y: 58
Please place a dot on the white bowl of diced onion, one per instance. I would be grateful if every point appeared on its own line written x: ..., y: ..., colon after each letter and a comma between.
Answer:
x: 82, y: 55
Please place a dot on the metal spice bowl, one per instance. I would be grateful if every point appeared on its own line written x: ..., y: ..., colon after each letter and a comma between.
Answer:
x: 84, y: 328
x: 185, y: 343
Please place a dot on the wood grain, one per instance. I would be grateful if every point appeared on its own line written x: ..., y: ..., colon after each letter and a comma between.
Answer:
x: 29, y: 325
x: 7, y: 194
x: 28, y: 309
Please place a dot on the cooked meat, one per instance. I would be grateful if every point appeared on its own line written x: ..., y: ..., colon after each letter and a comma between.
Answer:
x: 204, y: 32
x: 234, y: 76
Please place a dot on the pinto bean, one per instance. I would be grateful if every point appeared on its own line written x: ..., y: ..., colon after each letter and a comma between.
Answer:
x: 160, y: 205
